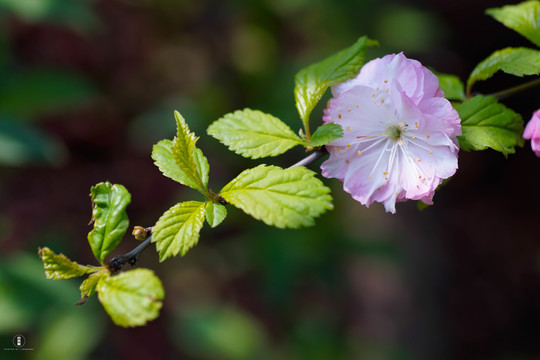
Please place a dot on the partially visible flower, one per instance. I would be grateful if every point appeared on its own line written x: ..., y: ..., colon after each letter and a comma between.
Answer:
x: 532, y: 132
x: 400, y: 133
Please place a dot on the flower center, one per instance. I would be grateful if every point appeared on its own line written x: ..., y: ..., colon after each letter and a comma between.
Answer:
x: 395, y: 132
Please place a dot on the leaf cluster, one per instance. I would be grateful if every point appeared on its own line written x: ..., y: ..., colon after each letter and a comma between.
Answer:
x: 131, y: 298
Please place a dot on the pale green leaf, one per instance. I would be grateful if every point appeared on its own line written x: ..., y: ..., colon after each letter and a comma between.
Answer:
x: 254, y: 134
x: 452, y: 86
x: 58, y: 266
x: 326, y: 133
x: 285, y: 198
x: 523, y: 18
x: 192, y: 166
x: 109, y: 217
x: 177, y: 230
x: 215, y: 213
x: 488, y: 124
x: 513, y: 61
x: 312, y: 82
x: 89, y: 285
x: 131, y: 298
x: 164, y: 160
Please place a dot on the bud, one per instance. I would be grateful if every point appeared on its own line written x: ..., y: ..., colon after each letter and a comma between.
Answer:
x: 140, y: 233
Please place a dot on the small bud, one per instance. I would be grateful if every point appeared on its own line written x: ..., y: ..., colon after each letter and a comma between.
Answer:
x: 140, y: 233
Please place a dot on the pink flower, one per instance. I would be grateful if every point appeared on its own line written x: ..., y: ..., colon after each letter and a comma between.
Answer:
x: 532, y: 132
x: 400, y: 133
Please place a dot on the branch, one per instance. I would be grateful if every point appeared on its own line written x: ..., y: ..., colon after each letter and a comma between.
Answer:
x: 317, y: 154
x: 117, y: 262
x: 503, y: 94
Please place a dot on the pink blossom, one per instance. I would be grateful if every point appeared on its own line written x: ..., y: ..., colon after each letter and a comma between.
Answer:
x: 532, y: 132
x: 400, y: 133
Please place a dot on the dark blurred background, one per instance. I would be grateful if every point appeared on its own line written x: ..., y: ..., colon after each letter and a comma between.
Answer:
x: 86, y: 88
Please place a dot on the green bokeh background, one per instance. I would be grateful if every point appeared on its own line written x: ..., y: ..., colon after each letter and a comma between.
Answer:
x: 86, y: 88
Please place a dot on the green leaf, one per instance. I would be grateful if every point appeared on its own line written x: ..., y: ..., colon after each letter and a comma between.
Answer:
x: 452, y: 86
x: 177, y: 230
x: 58, y: 266
x: 181, y: 160
x: 109, y: 216
x: 513, y: 61
x: 312, y: 82
x: 164, y: 160
x: 89, y: 285
x: 488, y: 124
x: 37, y: 92
x: 326, y: 133
x: 254, y: 134
x: 215, y: 213
x: 523, y: 18
x: 131, y: 298
x: 285, y: 198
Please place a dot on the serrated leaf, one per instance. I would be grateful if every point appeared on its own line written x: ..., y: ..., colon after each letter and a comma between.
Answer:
x: 488, y: 124
x: 326, y: 133
x: 58, y: 266
x: 523, y: 18
x: 131, y: 298
x: 215, y: 213
x: 109, y: 217
x: 164, y: 160
x: 312, y: 82
x: 189, y: 158
x: 177, y: 230
x: 285, y: 198
x: 513, y: 61
x: 89, y: 285
x: 254, y: 134
x: 180, y: 160
x: 452, y: 86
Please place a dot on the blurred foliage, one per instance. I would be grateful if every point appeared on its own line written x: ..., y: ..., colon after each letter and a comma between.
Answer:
x: 44, y: 312
x: 90, y: 85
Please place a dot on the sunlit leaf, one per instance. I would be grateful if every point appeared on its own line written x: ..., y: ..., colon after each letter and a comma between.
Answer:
x: 58, y: 266
x: 181, y: 160
x: 109, y: 216
x: 285, y: 198
x: 89, y: 285
x: 254, y: 134
x: 312, y: 82
x: 488, y: 124
x: 523, y: 18
x: 513, y: 61
x: 215, y: 213
x: 177, y: 230
x: 131, y: 298
x: 326, y: 133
